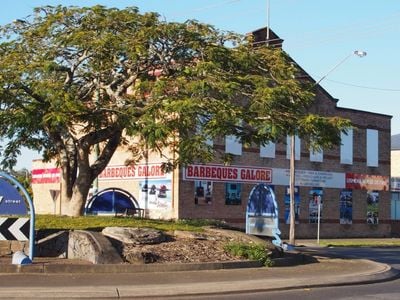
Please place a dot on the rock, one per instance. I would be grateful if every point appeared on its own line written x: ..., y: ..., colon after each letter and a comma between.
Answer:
x: 189, y: 235
x: 92, y: 246
x: 136, y: 236
x: 137, y: 256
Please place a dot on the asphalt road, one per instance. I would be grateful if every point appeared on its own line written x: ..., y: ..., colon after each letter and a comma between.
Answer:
x: 387, y: 255
x: 113, y: 285
x: 385, y: 290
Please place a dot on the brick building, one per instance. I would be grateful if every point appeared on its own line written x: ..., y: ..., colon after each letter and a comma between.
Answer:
x: 351, y: 181
x: 395, y: 184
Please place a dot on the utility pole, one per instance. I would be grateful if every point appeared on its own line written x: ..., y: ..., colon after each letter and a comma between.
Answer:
x: 291, y: 191
x: 268, y: 21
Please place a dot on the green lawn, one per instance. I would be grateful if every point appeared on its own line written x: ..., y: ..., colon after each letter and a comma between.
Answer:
x: 367, y: 242
x: 99, y: 222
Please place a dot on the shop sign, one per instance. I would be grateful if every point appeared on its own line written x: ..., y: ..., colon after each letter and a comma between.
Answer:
x: 228, y: 173
x: 309, y: 178
x: 135, y: 172
x: 49, y: 175
x: 367, y: 182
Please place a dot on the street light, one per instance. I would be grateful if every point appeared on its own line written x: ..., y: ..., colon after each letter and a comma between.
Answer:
x: 358, y: 53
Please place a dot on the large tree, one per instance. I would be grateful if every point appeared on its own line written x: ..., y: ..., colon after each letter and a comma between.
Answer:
x: 73, y: 80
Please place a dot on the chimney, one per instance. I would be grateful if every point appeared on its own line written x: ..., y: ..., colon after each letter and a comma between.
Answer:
x: 260, y: 38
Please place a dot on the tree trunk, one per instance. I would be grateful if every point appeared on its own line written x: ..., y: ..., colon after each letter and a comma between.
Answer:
x: 80, y: 189
x: 78, y: 200
x: 87, y: 173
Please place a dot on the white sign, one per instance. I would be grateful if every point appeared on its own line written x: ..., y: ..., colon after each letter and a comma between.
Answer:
x: 309, y: 178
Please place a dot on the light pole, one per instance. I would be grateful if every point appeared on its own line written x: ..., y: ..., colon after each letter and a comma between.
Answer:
x: 292, y: 172
x: 358, y: 53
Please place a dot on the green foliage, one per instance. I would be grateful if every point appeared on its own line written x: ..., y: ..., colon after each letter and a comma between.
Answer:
x: 250, y: 251
x: 73, y: 78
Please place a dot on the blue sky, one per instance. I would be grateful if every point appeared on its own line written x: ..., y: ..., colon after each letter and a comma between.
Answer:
x: 317, y: 35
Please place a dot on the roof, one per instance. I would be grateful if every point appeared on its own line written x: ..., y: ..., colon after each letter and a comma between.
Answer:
x: 396, y: 142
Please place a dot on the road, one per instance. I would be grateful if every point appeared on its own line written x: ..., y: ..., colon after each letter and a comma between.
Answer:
x: 113, y: 285
x: 385, y: 290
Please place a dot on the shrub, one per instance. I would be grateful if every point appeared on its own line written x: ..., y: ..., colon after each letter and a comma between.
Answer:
x: 250, y: 251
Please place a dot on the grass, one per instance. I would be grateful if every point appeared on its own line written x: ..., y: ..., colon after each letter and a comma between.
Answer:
x: 250, y: 251
x: 368, y: 242
x: 99, y: 222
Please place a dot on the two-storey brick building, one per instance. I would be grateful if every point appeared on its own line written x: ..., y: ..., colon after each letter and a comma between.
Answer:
x: 351, y: 181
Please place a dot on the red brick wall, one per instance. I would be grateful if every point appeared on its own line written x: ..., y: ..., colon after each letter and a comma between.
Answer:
x: 330, y: 227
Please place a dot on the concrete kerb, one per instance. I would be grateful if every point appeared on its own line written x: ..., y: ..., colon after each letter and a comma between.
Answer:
x: 125, y: 268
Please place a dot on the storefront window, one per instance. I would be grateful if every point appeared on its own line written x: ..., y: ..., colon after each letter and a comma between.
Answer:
x: 346, y: 207
x: 372, y: 207
x: 203, y: 192
x: 315, y: 205
x: 233, y: 193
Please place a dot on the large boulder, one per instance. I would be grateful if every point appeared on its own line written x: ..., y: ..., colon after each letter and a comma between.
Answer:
x: 135, y: 236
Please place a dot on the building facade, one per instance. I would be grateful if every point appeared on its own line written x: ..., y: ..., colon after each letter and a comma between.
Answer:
x: 346, y: 188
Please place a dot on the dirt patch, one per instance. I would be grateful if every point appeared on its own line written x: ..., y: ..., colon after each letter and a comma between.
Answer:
x: 183, y: 247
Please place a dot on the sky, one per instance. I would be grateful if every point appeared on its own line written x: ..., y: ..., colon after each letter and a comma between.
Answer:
x: 320, y: 35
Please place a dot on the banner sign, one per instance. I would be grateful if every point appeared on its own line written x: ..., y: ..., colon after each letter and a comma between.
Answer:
x: 49, y: 175
x: 367, y: 182
x: 135, y: 172
x: 309, y: 178
x: 228, y: 173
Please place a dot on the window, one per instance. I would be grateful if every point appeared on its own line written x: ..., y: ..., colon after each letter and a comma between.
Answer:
x: 346, y: 207
x: 202, y: 192
x: 315, y: 205
x: 372, y: 207
x: 267, y: 150
x: 316, y: 156
x: 372, y: 148
x: 395, y: 206
x: 233, y: 145
x: 297, y: 144
x: 233, y: 193
x: 346, y: 149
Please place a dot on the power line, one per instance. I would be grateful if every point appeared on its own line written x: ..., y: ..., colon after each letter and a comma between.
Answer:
x: 363, y: 86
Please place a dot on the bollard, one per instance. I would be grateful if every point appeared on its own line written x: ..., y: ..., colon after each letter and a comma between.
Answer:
x: 19, y: 258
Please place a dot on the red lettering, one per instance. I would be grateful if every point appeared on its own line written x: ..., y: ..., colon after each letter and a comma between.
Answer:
x: 189, y: 171
x: 202, y: 171
x: 208, y: 172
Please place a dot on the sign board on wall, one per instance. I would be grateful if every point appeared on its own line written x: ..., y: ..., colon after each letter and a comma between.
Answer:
x: 135, y: 172
x: 46, y: 175
x: 309, y: 178
x: 227, y: 173
x: 277, y: 176
x: 111, y: 172
x: 367, y: 182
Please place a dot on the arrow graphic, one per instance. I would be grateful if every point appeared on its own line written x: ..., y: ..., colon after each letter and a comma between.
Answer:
x: 12, y: 229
